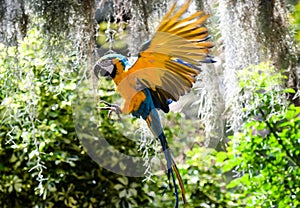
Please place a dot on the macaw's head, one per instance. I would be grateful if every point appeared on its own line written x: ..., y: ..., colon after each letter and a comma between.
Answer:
x: 108, y: 65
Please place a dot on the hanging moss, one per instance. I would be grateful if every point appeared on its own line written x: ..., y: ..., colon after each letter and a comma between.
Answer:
x: 13, y: 21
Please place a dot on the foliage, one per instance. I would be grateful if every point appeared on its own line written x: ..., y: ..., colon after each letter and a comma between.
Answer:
x: 296, y: 21
x: 112, y: 36
x: 43, y: 163
x: 268, y: 160
x: 206, y: 184
x: 265, y: 154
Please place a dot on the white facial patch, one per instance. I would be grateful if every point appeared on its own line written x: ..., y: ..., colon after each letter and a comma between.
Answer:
x: 107, y: 65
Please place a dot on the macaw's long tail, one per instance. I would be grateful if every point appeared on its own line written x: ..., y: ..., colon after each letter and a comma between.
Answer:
x: 155, y: 126
x: 172, y: 167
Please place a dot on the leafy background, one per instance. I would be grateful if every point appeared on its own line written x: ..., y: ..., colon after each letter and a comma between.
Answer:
x: 44, y: 164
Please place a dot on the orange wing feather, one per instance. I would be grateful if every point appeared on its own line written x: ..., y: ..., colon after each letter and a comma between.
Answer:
x: 156, y: 67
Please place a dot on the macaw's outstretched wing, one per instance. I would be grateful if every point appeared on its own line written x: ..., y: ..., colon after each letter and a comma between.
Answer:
x: 168, y: 64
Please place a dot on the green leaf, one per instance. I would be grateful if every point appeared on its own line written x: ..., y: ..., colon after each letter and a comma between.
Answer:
x: 119, y: 186
x: 221, y: 156
x: 123, y: 180
x: 123, y: 193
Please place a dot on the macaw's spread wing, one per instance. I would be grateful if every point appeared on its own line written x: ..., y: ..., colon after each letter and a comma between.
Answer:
x: 168, y: 64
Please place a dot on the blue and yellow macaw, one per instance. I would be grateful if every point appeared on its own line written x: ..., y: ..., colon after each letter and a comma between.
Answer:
x: 165, y: 70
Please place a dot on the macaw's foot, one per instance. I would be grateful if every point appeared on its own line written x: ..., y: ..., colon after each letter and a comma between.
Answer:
x: 111, y: 108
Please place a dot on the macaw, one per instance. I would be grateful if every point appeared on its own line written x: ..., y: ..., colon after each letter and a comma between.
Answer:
x: 165, y: 69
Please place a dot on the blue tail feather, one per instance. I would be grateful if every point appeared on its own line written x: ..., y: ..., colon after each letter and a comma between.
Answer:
x: 168, y: 157
x: 149, y: 113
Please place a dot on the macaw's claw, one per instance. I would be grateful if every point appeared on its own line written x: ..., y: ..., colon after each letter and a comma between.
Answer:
x: 111, y: 108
